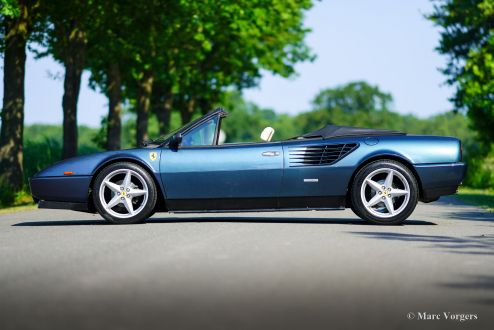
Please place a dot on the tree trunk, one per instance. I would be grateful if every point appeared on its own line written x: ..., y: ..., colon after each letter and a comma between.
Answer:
x: 114, y: 92
x: 11, y: 135
x: 144, y: 90
x: 74, y: 64
x: 187, y: 111
x: 163, y: 112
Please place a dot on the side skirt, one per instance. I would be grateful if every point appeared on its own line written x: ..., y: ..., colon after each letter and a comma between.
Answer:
x: 261, y: 210
x: 256, y: 204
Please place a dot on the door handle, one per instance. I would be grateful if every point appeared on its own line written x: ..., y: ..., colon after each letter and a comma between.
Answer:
x: 270, y: 153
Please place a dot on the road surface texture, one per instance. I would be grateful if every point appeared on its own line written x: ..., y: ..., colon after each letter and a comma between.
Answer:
x: 298, y: 270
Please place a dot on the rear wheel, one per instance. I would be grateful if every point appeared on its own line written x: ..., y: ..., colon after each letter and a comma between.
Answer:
x: 384, y: 192
x: 124, y: 193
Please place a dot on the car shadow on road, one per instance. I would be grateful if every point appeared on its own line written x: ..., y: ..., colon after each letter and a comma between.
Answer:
x: 242, y: 219
x: 472, y: 216
x: 471, y: 213
x: 471, y: 245
x: 300, y: 220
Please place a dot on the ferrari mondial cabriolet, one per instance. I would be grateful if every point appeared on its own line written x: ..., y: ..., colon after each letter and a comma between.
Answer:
x: 379, y: 174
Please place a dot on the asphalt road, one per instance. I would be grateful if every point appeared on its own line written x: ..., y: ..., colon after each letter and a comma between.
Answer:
x: 299, y: 270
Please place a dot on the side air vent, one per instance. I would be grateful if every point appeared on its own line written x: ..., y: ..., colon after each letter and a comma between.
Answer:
x: 319, y: 155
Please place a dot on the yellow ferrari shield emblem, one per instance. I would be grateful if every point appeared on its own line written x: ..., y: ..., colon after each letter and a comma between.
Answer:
x: 153, y: 156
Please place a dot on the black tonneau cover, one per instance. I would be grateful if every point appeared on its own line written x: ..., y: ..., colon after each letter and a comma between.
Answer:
x: 332, y: 131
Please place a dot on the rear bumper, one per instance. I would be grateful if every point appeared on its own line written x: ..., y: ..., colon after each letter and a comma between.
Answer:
x: 440, y: 179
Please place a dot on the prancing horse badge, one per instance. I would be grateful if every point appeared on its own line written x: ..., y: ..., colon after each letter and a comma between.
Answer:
x: 153, y: 156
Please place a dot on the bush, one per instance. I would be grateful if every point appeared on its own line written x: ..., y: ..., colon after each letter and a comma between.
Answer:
x: 480, y: 171
x: 40, y: 154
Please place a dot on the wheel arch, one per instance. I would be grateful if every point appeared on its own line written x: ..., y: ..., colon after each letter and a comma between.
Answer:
x: 402, y: 160
x: 161, y: 202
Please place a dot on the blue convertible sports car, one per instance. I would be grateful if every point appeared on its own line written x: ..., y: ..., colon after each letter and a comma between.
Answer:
x: 380, y: 174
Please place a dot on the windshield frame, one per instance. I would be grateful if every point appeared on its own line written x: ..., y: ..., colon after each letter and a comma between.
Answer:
x: 191, y: 125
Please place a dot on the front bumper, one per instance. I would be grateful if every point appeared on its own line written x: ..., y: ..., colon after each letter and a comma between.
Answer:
x: 82, y: 207
x: 67, y: 192
x: 440, y: 179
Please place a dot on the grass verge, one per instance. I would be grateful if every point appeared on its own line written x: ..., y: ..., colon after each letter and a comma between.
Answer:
x: 22, y: 202
x: 480, y: 197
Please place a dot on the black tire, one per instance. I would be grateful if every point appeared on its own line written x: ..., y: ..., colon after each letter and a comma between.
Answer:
x: 361, y: 210
x: 147, y: 209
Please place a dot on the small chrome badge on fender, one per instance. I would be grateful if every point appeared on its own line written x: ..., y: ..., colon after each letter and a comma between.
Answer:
x: 153, y: 156
x: 311, y: 180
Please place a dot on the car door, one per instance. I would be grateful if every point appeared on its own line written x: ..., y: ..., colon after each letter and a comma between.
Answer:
x: 201, y: 175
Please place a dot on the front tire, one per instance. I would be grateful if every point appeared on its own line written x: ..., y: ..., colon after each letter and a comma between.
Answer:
x: 124, y: 193
x: 384, y: 192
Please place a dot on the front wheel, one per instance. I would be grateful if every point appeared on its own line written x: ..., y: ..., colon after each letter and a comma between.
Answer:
x: 124, y: 193
x: 384, y: 192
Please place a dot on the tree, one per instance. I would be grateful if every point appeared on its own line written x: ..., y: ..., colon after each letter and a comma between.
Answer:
x: 353, y: 104
x: 108, y: 59
x: 207, y: 47
x: 66, y: 40
x: 17, y: 20
x: 467, y: 39
x: 354, y: 97
x: 114, y: 92
x: 162, y: 55
x: 146, y: 29
x: 123, y: 60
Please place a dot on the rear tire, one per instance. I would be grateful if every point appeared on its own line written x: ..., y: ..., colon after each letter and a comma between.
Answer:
x: 124, y: 193
x: 384, y: 192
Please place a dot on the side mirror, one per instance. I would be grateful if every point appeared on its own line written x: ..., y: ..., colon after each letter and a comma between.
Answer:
x: 175, y: 141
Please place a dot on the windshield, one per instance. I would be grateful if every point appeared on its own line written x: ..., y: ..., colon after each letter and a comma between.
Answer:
x: 202, y: 135
x: 165, y: 137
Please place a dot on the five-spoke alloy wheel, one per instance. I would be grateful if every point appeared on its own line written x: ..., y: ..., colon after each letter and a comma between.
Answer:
x: 124, y: 193
x: 384, y: 192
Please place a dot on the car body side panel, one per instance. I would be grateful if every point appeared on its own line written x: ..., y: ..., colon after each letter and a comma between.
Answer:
x: 334, y: 180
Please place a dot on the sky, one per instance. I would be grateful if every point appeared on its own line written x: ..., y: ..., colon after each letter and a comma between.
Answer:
x: 387, y: 43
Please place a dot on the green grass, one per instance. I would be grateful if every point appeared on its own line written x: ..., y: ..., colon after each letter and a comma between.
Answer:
x: 22, y: 202
x: 14, y: 209
x: 480, y: 197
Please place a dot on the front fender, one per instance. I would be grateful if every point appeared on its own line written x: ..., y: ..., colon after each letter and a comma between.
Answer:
x: 88, y: 165
x: 54, y: 184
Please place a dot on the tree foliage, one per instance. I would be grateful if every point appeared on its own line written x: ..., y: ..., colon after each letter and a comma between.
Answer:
x: 9, y: 8
x: 467, y: 39
x: 354, y: 97
x: 182, y: 55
